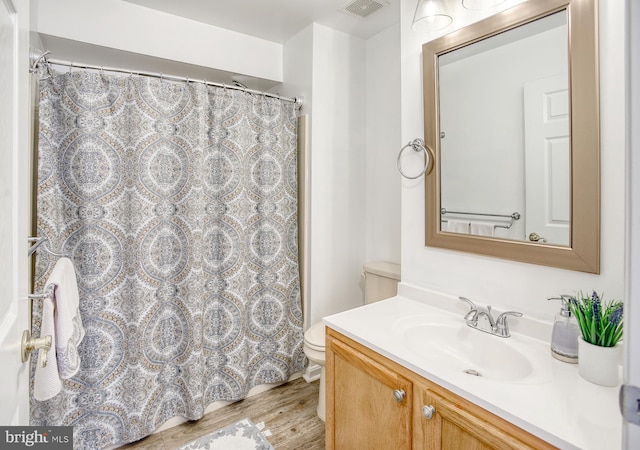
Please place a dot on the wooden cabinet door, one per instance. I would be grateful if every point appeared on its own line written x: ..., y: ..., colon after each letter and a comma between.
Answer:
x: 454, y: 427
x: 363, y: 412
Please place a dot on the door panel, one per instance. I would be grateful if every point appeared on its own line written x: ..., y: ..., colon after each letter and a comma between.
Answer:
x: 14, y: 208
x: 547, y: 159
x: 631, y: 432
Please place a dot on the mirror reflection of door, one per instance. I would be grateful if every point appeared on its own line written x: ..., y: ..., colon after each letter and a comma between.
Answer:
x: 483, y: 127
x: 547, y: 160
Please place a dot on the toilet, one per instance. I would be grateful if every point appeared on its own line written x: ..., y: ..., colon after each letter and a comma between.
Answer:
x: 380, y: 281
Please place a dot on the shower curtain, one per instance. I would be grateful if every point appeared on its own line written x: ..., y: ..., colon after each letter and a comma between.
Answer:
x: 177, y: 204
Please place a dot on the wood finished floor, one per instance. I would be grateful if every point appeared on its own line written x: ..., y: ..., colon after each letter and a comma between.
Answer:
x: 288, y: 411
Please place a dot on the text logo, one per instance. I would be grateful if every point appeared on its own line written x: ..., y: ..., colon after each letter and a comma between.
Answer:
x: 49, y: 438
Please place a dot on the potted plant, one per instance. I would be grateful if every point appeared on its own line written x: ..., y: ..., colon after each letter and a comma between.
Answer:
x: 601, y: 327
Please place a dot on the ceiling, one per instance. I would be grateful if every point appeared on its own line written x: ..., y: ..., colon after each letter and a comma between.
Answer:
x: 278, y: 20
x: 272, y: 20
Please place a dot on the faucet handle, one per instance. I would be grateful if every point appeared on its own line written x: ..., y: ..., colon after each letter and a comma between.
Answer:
x: 502, y: 318
x: 471, y: 304
x: 472, y: 314
x: 502, y: 328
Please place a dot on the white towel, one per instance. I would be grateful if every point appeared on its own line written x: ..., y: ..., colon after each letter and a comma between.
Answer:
x: 46, y: 381
x: 482, y: 228
x: 60, y: 320
x: 457, y: 226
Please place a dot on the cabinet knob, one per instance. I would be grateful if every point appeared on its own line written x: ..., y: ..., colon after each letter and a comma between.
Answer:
x: 428, y: 411
x: 399, y: 395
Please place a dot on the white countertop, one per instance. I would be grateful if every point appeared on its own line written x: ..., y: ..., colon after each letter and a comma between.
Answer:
x: 562, y: 408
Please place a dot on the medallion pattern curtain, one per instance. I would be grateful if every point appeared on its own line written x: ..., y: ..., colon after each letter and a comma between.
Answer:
x: 177, y: 204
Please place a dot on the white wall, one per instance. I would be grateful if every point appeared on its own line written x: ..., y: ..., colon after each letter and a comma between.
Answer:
x: 298, y: 68
x: 298, y: 73
x: 352, y: 93
x: 382, y: 139
x: 502, y: 283
x: 126, y: 26
x: 337, y: 171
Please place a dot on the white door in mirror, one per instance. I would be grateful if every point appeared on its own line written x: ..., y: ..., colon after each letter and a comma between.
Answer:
x: 547, y: 159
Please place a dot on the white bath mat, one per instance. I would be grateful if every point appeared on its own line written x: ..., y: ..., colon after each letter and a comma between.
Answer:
x: 242, y: 435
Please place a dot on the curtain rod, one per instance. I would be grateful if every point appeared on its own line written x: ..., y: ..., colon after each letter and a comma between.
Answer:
x: 35, y: 60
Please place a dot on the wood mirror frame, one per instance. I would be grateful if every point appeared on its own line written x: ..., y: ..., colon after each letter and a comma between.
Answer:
x: 583, y: 251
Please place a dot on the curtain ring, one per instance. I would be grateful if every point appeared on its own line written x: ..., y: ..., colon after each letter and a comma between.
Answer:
x: 418, y: 146
x: 36, y: 61
x: 49, y: 69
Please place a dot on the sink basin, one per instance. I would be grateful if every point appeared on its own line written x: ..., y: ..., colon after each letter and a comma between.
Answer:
x: 450, y: 345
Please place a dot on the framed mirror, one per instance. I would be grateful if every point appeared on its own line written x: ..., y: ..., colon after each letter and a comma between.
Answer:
x: 512, y: 118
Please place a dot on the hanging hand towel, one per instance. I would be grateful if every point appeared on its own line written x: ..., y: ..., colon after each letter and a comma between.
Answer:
x: 457, y: 226
x: 482, y: 229
x: 60, y: 320
x: 46, y: 381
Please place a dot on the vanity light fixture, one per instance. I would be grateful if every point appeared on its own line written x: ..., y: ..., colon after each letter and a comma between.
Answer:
x: 481, y: 4
x: 431, y: 15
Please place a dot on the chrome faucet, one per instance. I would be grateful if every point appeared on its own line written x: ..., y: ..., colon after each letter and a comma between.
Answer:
x: 498, y: 327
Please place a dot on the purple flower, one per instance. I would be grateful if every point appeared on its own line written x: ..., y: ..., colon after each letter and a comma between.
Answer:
x: 600, y: 322
x: 596, y: 307
x: 616, y: 315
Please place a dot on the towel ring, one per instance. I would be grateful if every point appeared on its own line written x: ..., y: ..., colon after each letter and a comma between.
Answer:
x: 418, y: 146
x: 42, y: 241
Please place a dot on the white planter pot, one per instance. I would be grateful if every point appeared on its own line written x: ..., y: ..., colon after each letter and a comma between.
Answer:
x: 599, y: 365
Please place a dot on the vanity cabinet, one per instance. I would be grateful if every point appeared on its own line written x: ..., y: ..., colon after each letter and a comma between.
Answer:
x: 368, y: 403
x: 375, y: 403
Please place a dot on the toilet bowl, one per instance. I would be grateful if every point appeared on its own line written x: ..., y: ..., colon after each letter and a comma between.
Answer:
x: 381, y: 281
x: 314, y: 348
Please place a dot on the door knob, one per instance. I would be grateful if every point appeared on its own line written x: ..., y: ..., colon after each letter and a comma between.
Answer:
x: 30, y: 343
x: 535, y: 237
x: 428, y: 411
x: 399, y: 395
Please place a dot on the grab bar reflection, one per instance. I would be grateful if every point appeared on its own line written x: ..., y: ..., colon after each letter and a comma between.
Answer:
x: 513, y: 216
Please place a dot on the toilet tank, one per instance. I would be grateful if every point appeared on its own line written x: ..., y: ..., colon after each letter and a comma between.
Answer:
x: 380, y: 280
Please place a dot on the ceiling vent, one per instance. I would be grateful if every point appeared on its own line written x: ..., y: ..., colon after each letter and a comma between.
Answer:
x: 363, y: 8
